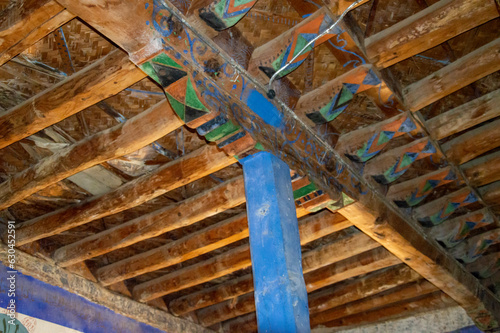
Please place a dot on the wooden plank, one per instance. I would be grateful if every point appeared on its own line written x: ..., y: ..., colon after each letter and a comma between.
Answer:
x: 312, y: 261
x: 428, y: 28
x: 491, y: 193
x: 274, y: 245
x: 218, y: 14
x: 473, y: 143
x: 122, y: 139
x: 195, y: 165
x: 194, y: 209
x: 470, y: 250
x: 104, y: 78
x: 26, y: 22
x: 465, y: 116
x: 339, y: 6
x: 325, y: 221
x: 466, y: 70
x: 213, y: 268
x: 49, y: 273
x: 483, y: 170
x: 403, y: 293
x: 434, y: 301
x: 429, y: 263
x: 485, y: 266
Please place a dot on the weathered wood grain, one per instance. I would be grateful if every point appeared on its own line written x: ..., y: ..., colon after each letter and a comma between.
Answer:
x: 483, y: 170
x: 104, y: 78
x: 465, y: 116
x: 117, y: 141
x: 470, y: 68
x: 26, y: 22
x: 428, y: 28
x: 182, y: 171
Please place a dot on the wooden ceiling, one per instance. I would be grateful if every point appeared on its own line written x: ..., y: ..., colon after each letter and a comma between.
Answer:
x: 122, y: 122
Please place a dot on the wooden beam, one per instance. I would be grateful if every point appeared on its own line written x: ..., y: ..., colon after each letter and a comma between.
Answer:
x: 431, y: 264
x: 194, y: 165
x: 104, y: 78
x: 122, y: 139
x: 466, y: 70
x: 473, y: 143
x: 465, y: 116
x: 196, y: 208
x: 49, y: 273
x: 213, y: 268
x: 209, y: 296
x: 406, y: 292
x: 26, y: 22
x: 470, y: 250
x: 483, y: 170
x: 428, y: 28
x: 485, y: 266
x: 434, y: 301
x: 218, y: 14
x: 339, y: 6
x: 491, y: 193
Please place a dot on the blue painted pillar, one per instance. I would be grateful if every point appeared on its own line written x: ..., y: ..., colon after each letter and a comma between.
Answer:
x: 280, y: 291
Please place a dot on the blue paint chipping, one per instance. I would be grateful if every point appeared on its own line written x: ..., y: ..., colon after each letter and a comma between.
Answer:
x: 259, y: 104
x: 280, y: 292
x: 53, y: 304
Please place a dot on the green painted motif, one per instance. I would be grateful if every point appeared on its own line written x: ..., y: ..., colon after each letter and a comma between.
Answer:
x: 303, y: 191
x: 226, y: 129
x: 6, y: 327
x: 177, y: 106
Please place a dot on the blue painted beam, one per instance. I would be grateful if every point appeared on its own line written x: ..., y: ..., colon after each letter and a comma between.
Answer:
x: 280, y: 291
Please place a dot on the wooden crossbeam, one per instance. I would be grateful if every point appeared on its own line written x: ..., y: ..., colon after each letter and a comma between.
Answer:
x: 433, y: 301
x: 220, y: 14
x: 483, y: 170
x: 491, y: 193
x: 466, y: 70
x: 209, y: 296
x: 428, y: 28
x: 465, y: 116
x: 213, y: 268
x: 26, y: 22
x: 122, y: 139
x: 311, y: 261
x: 49, y: 273
x: 104, y: 78
x: 406, y: 292
x: 473, y: 143
x: 243, y: 99
x: 196, y: 208
x: 198, y: 164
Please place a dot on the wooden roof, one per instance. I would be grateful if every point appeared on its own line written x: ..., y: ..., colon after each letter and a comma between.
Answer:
x: 122, y: 122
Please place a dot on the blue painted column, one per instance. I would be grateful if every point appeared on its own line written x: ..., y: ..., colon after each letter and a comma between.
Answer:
x: 280, y: 291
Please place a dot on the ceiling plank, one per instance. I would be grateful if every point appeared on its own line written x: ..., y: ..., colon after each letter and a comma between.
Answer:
x: 181, y: 214
x: 428, y: 28
x: 180, y: 172
x: 122, y: 139
x: 483, y: 170
x: 104, y: 78
x: 473, y: 143
x: 26, y: 23
x: 466, y: 70
x: 213, y: 268
x: 49, y: 273
x: 465, y: 116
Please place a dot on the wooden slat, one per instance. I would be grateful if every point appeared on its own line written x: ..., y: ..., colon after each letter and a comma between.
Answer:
x: 49, y: 273
x: 473, y: 143
x: 182, y: 171
x: 485, y: 266
x: 465, y: 116
x: 430, y: 264
x: 470, y: 250
x: 434, y: 301
x: 483, y: 170
x: 470, y: 68
x: 325, y: 221
x: 104, y: 78
x: 406, y: 292
x: 208, y: 203
x: 213, y: 268
x: 117, y: 141
x: 26, y: 22
x: 428, y: 28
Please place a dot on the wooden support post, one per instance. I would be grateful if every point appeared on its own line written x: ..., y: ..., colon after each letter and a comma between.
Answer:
x: 280, y: 291
x: 470, y: 68
x: 25, y: 22
x: 428, y: 28
x: 104, y: 78
x: 197, y: 164
x: 122, y: 139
